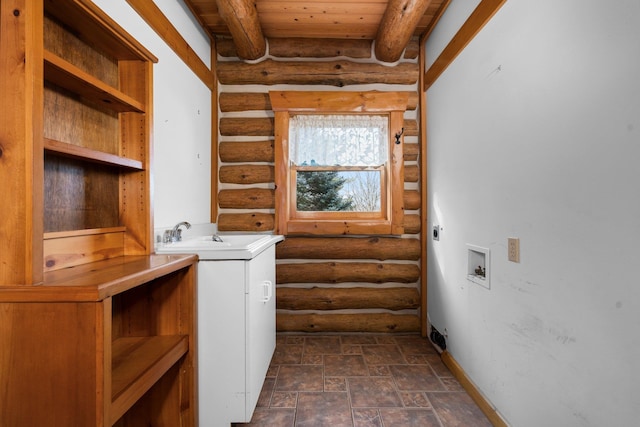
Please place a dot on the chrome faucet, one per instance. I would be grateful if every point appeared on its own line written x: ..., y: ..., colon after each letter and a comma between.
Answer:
x: 175, y: 234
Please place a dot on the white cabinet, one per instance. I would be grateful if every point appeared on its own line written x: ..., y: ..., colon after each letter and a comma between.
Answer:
x: 236, y: 332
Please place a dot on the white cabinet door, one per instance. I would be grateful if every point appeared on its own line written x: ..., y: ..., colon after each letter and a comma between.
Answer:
x: 221, y: 342
x: 261, y: 323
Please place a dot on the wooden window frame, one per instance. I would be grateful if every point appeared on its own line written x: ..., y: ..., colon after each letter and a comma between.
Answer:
x: 286, y: 104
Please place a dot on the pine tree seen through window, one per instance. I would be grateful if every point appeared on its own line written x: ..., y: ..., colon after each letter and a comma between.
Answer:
x: 322, y: 191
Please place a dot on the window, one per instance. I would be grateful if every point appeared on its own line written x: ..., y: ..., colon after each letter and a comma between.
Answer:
x: 338, y: 166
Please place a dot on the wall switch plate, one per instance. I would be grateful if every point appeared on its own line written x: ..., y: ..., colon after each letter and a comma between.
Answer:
x: 514, y: 249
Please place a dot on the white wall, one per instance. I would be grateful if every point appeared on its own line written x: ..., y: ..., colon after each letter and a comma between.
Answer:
x: 534, y: 132
x: 182, y: 116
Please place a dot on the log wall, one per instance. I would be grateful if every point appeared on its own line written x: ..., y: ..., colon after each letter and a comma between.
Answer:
x: 324, y: 284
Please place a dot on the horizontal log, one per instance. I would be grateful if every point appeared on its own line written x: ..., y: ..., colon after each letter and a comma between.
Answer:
x: 264, y: 126
x: 412, y: 102
x: 259, y: 101
x: 247, y: 174
x: 380, y: 248
x: 413, y: 48
x: 331, y: 73
x: 411, y: 152
x: 411, y: 173
x: 411, y: 199
x: 246, y: 222
x: 317, y: 298
x: 340, y: 272
x: 360, y: 322
x: 247, y: 151
x: 226, y: 48
x: 319, y: 48
x: 232, y: 101
x: 247, y: 198
x: 304, y: 48
x: 410, y: 128
x: 242, y: 126
x: 266, y: 222
x: 412, y: 224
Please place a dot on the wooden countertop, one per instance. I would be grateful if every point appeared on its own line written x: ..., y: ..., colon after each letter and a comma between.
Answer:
x: 98, y: 280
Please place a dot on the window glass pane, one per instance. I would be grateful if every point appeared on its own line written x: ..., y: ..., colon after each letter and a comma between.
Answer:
x: 363, y: 188
x: 334, y: 191
x: 344, y: 140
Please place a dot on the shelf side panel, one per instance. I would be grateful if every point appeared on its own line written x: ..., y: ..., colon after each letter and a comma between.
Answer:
x: 20, y: 141
x: 50, y: 377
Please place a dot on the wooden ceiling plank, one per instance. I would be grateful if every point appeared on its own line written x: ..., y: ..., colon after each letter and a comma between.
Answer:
x: 397, y: 27
x: 324, y: 19
x: 346, y: 8
x: 337, y: 31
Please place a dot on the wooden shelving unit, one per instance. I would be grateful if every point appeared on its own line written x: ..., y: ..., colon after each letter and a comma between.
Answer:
x: 134, y: 316
x: 94, y: 328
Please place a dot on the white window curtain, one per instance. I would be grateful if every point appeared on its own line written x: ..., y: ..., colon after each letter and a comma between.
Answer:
x: 338, y: 140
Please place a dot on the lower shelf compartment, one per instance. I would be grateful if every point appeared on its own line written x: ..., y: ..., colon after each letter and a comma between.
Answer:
x: 137, y: 364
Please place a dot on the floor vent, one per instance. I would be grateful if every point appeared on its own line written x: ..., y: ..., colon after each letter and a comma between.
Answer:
x: 438, y: 339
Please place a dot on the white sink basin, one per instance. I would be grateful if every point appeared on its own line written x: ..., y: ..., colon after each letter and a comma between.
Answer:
x: 233, y: 246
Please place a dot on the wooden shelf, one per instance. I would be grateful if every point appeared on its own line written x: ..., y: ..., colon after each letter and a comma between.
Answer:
x: 137, y: 363
x: 90, y: 155
x: 68, y: 76
x: 93, y: 282
x: 92, y: 25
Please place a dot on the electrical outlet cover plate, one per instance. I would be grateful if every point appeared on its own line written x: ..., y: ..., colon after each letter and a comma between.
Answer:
x: 514, y: 249
x: 436, y: 232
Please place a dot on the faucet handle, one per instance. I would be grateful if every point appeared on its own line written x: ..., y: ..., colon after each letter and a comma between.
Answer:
x: 166, y: 237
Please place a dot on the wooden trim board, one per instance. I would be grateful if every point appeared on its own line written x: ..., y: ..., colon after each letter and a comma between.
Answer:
x: 153, y: 16
x: 485, y: 406
x: 472, y: 26
x: 424, y: 194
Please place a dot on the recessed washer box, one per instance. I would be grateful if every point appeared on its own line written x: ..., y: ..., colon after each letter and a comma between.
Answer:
x: 479, y: 265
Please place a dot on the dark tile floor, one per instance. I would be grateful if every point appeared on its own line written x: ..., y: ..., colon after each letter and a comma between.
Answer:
x: 361, y: 381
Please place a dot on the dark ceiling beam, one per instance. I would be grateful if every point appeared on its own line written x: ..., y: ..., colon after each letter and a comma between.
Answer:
x: 398, y: 24
x: 241, y: 17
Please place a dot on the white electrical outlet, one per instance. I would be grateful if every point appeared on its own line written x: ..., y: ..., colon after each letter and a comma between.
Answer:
x: 514, y: 249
